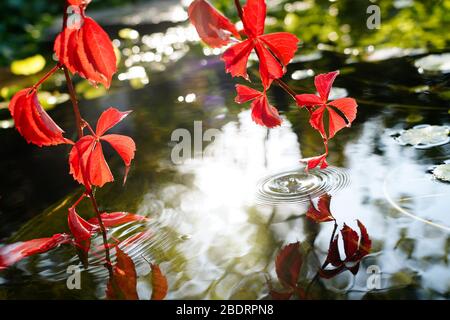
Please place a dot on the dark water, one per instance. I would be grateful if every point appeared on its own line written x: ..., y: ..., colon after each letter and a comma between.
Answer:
x: 213, y: 228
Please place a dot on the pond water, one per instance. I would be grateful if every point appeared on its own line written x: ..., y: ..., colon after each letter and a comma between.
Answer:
x: 218, y: 220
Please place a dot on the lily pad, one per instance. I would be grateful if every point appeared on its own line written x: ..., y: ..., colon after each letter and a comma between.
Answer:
x: 442, y: 172
x: 425, y: 136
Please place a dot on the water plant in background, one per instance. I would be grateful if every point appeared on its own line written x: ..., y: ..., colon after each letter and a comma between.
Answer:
x: 274, y: 52
x: 82, y: 48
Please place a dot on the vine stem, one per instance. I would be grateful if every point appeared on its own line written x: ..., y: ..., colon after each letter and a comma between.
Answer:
x: 73, y: 98
x: 286, y: 88
x: 104, y: 234
x: 79, y: 122
x: 47, y: 75
x: 239, y: 9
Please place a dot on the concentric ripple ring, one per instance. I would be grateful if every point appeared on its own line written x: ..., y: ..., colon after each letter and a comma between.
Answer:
x: 299, y: 186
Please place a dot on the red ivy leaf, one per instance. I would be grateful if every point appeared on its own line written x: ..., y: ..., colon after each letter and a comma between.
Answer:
x: 322, y: 213
x: 117, y: 218
x: 213, y: 27
x: 15, y: 252
x: 356, y: 247
x: 123, y: 284
x: 159, y: 283
x: 254, y: 14
x: 32, y: 122
x: 314, y: 162
x: 365, y: 244
x: 87, y: 51
x: 262, y: 112
x: 81, y: 230
x: 351, y: 239
x: 79, y: 2
x: 274, y: 51
x: 87, y: 161
x: 288, y: 264
x: 341, y: 112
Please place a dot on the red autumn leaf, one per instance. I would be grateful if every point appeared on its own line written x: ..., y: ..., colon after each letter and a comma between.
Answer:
x: 81, y: 230
x: 15, y: 252
x: 117, y: 218
x: 356, y: 247
x: 365, y: 244
x: 334, y: 256
x: 79, y: 2
x: 160, y: 285
x: 288, y: 264
x: 87, y: 161
x: 262, y: 112
x: 87, y: 51
x: 322, y: 213
x: 351, y: 239
x: 274, y: 50
x: 277, y: 295
x: 212, y: 26
x: 122, y: 286
x: 32, y: 122
x: 341, y: 112
x: 314, y: 162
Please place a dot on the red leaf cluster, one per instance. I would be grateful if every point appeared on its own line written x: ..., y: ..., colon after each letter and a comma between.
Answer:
x: 341, y: 112
x: 356, y: 247
x: 274, y: 50
x: 88, y: 51
x: 87, y: 161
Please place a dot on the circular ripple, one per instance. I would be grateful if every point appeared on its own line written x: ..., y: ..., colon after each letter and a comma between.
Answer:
x: 298, y: 186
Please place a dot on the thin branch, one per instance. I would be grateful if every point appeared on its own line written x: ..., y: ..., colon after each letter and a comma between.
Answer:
x: 47, y: 75
x: 239, y: 9
x: 104, y: 234
x: 76, y: 109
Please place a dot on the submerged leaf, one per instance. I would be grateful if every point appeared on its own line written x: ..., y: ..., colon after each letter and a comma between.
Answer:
x: 288, y: 264
x: 159, y: 283
x: 123, y: 284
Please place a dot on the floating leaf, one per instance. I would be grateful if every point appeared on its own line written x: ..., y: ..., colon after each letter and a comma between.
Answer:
x: 425, y: 136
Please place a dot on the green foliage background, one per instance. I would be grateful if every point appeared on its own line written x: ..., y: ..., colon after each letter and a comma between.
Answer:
x: 23, y: 22
x: 338, y: 23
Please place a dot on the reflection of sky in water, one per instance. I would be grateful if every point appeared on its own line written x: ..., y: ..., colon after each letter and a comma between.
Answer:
x: 217, y: 212
x: 232, y: 240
